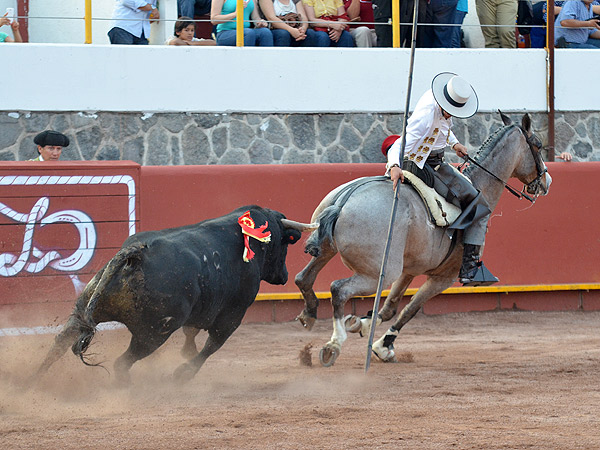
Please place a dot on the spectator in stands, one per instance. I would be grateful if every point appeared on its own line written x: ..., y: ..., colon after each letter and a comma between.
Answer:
x: 498, y: 19
x: 382, y: 14
x: 14, y: 25
x: 361, y: 11
x: 438, y: 13
x: 330, y: 21
x: 223, y: 14
x: 192, y: 8
x: 131, y: 21
x: 575, y: 26
x: 183, y: 34
x: 288, y: 34
x: 565, y: 156
x: 49, y: 145
x: 462, y: 8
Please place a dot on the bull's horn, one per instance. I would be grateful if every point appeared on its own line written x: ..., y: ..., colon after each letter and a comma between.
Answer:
x: 299, y: 226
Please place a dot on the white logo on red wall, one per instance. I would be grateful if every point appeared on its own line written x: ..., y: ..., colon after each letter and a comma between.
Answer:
x: 34, y: 260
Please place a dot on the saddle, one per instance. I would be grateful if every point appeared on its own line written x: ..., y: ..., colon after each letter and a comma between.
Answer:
x: 442, y: 213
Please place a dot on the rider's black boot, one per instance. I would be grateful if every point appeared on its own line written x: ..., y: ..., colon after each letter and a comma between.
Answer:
x: 472, y: 271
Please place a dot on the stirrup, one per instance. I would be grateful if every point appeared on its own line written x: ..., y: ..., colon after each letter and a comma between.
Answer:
x: 482, y: 277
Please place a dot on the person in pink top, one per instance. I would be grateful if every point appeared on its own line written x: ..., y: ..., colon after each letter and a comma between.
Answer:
x: 361, y: 11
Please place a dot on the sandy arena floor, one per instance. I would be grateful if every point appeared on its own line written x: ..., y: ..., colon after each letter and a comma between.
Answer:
x: 504, y: 380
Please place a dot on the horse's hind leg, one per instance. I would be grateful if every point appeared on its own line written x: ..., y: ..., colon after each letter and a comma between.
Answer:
x: 384, y: 347
x: 305, y: 281
x: 341, y: 292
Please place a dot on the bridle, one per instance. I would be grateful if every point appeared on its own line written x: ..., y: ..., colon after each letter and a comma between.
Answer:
x: 534, y: 186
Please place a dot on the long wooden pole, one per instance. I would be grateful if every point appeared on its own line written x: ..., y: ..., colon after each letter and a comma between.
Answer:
x: 395, y: 202
x: 550, y: 76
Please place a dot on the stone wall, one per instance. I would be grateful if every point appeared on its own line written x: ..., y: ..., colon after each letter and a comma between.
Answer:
x: 180, y: 139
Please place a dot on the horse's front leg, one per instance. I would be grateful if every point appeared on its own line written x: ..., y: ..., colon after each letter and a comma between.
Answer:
x: 362, y: 325
x: 384, y: 347
x: 341, y: 292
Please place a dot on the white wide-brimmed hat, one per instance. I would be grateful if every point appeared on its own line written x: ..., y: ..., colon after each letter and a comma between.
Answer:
x: 455, y: 95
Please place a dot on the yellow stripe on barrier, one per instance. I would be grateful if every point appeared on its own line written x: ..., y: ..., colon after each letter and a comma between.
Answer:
x: 457, y: 290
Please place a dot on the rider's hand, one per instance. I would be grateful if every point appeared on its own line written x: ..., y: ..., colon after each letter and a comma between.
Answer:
x: 460, y: 150
x: 396, y: 174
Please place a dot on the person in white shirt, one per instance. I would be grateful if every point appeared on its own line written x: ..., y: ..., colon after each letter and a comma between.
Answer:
x: 131, y: 21
x: 428, y: 133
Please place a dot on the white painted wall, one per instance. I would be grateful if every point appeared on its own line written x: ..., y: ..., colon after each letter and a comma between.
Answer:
x: 60, y: 77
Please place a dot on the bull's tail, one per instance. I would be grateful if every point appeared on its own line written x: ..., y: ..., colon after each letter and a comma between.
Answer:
x: 323, y: 236
x: 126, y: 257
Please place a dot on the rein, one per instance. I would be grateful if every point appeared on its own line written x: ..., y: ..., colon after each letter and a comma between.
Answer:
x: 534, y: 146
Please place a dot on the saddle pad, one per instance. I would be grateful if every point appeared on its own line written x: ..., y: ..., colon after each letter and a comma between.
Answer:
x: 442, y: 212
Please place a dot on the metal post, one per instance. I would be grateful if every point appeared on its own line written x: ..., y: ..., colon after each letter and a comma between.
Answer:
x: 88, y: 21
x: 239, y: 25
x: 395, y: 203
x: 395, y: 23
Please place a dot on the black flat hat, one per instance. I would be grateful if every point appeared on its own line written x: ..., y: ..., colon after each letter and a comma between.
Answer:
x: 50, y: 137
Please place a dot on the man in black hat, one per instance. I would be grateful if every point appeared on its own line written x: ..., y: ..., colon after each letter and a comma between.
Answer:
x: 49, y: 145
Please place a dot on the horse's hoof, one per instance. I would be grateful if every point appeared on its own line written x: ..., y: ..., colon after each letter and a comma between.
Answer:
x: 307, y: 321
x: 385, y: 354
x: 352, y: 324
x: 328, y: 355
x: 184, y: 373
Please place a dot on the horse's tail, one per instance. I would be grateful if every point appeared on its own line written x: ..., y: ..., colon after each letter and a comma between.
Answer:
x: 126, y: 257
x: 323, y: 236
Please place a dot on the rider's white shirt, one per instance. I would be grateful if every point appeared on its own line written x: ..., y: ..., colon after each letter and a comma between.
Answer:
x: 426, y: 130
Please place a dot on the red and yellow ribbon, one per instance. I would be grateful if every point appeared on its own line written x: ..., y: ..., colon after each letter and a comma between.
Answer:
x: 249, y: 230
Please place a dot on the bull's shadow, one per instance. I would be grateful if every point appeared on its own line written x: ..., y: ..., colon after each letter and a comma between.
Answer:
x: 197, y: 277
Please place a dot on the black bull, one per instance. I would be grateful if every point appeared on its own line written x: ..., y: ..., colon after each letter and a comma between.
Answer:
x: 192, y: 277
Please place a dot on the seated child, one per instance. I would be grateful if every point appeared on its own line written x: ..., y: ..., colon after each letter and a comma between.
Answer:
x: 184, y: 34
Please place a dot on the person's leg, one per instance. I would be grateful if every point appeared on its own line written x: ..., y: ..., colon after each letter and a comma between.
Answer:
x: 120, y: 36
x: 185, y: 8
x: 345, y: 40
x: 443, y: 13
x: 227, y: 37
x: 309, y: 41
x: 486, y: 11
x: 201, y: 7
x: 594, y: 43
x: 264, y: 37
x: 384, y: 34
x: 459, y: 17
x: 507, y: 15
x: 281, y: 38
x: 142, y: 40
x: 250, y: 37
x: 361, y: 36
x: 586, y: 45
x: 322, y: 39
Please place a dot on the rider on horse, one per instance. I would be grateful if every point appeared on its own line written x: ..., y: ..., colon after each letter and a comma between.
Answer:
x: 428, y: 133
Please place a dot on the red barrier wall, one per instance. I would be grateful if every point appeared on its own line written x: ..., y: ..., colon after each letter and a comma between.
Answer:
x: 59, y: 224
x: 554, y: 241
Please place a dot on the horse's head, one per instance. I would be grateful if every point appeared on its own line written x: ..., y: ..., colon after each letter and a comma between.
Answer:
x: 532, y: 171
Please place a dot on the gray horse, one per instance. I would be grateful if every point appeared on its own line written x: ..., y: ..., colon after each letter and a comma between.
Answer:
x: 358, y: 230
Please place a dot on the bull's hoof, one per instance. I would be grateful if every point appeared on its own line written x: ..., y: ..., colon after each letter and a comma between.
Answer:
x: 184, y: 373
x: 307, y: 321
x: 352, y: 323
x: 329, y: 354
x: 189, y: 352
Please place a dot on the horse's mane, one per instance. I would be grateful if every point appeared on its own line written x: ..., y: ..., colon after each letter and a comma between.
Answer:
x: 491, y: 142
